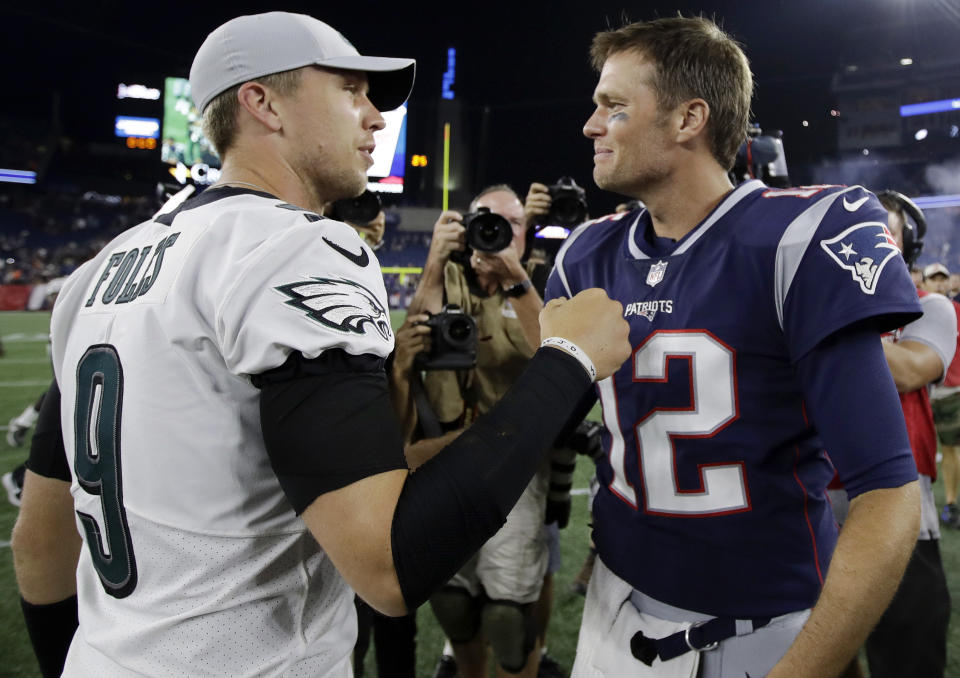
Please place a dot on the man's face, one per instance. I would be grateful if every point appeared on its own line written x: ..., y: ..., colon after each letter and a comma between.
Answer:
x: 329, y: 124
x: 895, y: 224
x: 508, y: 206
x: 954, y: 284
x: 630, y: 134
x: 938, y: 283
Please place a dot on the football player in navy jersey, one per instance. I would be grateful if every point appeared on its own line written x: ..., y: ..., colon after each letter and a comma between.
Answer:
x: 755, y: 318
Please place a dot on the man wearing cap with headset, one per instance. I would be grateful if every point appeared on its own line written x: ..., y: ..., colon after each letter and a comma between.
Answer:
x: 945, y: 401
x: 226, y: 444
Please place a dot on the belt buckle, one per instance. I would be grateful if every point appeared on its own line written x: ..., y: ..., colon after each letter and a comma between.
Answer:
x: 705, y: 648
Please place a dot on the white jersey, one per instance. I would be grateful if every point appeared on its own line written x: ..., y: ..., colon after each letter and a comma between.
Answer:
x: 194, y: 563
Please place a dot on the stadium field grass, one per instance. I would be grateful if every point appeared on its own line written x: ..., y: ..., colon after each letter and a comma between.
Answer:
x: 24, y: 374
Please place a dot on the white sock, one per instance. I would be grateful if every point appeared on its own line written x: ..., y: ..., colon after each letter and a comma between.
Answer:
x: 27, y: 418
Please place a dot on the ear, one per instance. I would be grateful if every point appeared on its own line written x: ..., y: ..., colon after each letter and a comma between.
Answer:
x: 259, y: 102
x: 693, y: 116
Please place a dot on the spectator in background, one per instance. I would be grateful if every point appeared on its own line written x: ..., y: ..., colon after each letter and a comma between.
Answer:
x: 916, y: 275
x: 945, y: 401
x: 491, y: 599
x: 911, y: 637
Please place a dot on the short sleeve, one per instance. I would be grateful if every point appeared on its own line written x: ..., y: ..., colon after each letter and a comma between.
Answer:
x: 837, y: 265
x: 936, y: 328
x: 307, y: 288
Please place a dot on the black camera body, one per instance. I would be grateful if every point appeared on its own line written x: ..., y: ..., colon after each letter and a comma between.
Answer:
x: 453, y: 341
x: 486, y: 231
x: 568, y: 204
x: 360, y: 210
x: 761, y: 156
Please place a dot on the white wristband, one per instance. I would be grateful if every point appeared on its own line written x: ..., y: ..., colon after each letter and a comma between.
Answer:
x: 575, y: 351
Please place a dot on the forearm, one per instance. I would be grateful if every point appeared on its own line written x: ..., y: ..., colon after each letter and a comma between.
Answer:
x: 913, y: 365
x: 528, y: 307
x: 45, y: 542
x: 868, y: 563
x: 429, y: 294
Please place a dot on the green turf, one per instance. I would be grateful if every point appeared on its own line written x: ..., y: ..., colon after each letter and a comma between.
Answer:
x: 25, y: 370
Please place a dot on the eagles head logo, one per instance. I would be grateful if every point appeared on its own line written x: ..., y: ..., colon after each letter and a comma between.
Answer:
x: 863, y: 250
x: 340, y: 304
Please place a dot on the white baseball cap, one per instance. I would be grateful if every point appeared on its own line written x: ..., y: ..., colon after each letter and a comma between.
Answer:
x: 935, y: 269
x: 251, y: 47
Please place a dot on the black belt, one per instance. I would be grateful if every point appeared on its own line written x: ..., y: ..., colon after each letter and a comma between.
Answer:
x: 699, y: 637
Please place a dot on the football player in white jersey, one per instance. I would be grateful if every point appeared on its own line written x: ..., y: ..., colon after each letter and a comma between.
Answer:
x: 226, y: 445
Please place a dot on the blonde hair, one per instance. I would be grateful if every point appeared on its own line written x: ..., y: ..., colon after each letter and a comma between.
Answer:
x: 220, y: 116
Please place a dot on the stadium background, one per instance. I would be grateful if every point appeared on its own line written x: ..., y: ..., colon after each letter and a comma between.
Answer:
x: 832, y: 76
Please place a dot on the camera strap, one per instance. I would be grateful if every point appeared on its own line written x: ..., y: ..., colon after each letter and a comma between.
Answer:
x: 429, y: 423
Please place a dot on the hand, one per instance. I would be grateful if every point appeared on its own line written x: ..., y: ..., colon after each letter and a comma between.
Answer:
x: 504, y: 266
x: 558, y: 511
x: 412, y: 337
x: 537, y: 204
x: 449, y: 235
x: 595, y: 323
x: 372, y: 232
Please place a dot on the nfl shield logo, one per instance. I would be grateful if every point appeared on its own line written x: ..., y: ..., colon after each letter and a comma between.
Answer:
x: 656, y: 272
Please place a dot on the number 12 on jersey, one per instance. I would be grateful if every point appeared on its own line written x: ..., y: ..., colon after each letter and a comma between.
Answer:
x: 713, y: 406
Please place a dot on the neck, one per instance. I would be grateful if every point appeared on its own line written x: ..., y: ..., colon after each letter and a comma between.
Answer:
x: 271, y: 174
x: 679, y: 204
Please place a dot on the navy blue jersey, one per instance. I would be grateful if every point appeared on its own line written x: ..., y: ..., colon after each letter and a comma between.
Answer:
x: 713, y: 487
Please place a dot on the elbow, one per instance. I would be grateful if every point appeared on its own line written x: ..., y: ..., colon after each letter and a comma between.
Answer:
x: 386, y: 597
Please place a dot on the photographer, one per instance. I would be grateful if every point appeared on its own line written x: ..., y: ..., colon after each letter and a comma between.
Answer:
x: 491, y: 598
x: 364, y: 214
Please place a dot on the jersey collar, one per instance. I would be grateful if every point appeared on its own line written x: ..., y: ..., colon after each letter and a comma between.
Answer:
x: 640, y: 249
x: 208, y: 196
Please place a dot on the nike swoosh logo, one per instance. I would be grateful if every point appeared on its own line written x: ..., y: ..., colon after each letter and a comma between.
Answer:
x: 855, y: 205
x: 360, y: 260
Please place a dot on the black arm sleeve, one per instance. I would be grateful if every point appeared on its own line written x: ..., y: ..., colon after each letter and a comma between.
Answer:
x: 458, y: 499
x: 51, y: 628
x: 47, y: 455
x: 327, y: 423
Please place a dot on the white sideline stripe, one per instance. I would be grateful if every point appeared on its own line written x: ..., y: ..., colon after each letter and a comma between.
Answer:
x: 579, y: 491
x: 22, y: 336
x: 18, y: 384
x: 4, y: 544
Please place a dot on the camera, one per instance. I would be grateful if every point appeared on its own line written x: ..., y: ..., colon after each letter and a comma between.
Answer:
x: 360, y: 210
x: 761, y: 156
x: 487, y: 231
x: 568, y: 204
x: 453, y: 341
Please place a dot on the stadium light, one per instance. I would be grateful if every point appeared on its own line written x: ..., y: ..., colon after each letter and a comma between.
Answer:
x: 941, y: 106
x: 906, y: 61
x: 12, y: 176
x: 921, y: 134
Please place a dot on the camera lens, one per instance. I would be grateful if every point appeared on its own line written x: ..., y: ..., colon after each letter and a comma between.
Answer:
x: 488, y: 232
x: 459, y: 331
x: 360, y: 210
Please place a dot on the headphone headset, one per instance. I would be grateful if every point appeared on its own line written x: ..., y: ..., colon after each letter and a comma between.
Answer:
x: 914, y: 227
